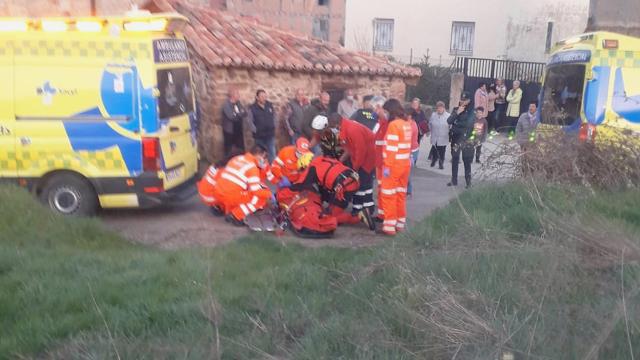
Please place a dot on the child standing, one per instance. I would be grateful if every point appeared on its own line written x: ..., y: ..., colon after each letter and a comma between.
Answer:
x: 480, y: 129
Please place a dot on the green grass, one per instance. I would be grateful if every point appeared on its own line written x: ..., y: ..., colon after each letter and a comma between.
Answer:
x: 502, y: 268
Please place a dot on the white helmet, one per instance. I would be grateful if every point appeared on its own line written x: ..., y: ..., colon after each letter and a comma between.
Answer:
x: 320, y: 122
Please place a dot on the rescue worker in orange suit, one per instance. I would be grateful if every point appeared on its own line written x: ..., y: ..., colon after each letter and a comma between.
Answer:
x: 206, y: 186
x: 237, y: 190
x: 396, y: 169
x: 334, y: 181
x: 284, y: 170
x: 379, y: 130
x: 360, y: 155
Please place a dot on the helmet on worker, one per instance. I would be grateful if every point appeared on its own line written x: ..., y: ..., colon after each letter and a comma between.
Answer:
x: 302, y: 147
x: 320, y: 122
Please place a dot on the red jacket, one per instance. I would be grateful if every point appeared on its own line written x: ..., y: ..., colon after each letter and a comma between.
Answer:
x: 360, y: 142
x: 380, y: 132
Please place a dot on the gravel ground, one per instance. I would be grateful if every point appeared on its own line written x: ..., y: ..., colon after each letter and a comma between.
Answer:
x: 189, y: 224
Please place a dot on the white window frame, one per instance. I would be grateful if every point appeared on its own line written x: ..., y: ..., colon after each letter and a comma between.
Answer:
x: 462, y: 38
x: 383, y: 29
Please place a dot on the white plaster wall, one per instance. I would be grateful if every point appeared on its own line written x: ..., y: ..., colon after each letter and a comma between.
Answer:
x: 513, y: 29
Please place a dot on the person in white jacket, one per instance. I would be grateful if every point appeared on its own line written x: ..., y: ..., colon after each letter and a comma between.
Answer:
x: 439, y: 129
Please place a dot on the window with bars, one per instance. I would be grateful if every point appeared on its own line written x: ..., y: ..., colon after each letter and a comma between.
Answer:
x: 462, y: 35
x: 383, y: 34
x: 321, y: 28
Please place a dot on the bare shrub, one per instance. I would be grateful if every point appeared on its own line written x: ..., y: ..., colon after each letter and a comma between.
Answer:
x: 612, y: 162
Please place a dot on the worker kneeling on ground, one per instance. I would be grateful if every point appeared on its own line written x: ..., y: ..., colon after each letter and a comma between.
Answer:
x: 336, y: 184
x: 237, y: 190
x: 285, y: 168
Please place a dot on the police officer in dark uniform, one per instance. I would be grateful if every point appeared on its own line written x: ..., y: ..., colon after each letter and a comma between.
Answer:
x: 461, y: 120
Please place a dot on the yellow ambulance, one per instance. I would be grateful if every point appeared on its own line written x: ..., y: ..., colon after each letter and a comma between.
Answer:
x: 97, y: 112
x: 592, y: 86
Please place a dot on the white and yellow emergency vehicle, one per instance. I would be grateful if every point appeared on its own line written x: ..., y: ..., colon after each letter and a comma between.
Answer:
x: 97, y: 111
x: 592, y: 85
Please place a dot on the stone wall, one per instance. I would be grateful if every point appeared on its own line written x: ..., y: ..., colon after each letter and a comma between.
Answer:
x: 213, y: 84
x: 294, y: 15
x: 621, y: 16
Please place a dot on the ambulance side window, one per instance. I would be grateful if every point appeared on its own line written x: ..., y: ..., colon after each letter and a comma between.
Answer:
x: 176, y: 95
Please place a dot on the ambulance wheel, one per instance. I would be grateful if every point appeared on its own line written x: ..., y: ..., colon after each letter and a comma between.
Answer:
x: 70, y: 195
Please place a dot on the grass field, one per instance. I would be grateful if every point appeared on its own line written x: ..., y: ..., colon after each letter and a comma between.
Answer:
x: 542, y: 273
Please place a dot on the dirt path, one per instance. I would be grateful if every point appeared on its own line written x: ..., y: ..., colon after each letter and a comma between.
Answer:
x: 190, y: 224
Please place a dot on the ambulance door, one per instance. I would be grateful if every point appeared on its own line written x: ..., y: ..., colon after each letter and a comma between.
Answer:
x: 8, y: 163
x: 176, y: 136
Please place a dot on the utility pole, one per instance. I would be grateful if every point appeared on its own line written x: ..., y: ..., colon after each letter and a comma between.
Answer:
x: 94, y: 7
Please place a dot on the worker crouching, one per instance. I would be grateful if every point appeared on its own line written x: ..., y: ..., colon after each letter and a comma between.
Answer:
x: 237, y: 190
x: 285, y: 167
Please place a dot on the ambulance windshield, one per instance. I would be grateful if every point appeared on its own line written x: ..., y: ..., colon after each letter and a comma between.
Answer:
x: 176, y: 95
x: 562, y: 94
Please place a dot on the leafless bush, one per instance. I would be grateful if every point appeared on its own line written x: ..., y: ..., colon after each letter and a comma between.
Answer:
x: 612, y: 162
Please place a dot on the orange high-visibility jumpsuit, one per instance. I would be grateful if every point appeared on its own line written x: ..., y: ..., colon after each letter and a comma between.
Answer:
x: 285, y: 165
x: 380, y: 131
x: 397, y: 166
x: 239, y: 189
x: 207, y: 184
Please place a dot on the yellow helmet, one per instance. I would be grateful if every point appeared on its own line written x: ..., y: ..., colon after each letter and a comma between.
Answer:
x: 305, y: 160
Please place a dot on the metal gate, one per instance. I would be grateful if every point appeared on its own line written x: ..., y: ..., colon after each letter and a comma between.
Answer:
x: 477, y: 71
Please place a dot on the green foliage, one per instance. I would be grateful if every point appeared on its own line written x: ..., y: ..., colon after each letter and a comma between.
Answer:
x: 494, y: 271
x: 434, y: 84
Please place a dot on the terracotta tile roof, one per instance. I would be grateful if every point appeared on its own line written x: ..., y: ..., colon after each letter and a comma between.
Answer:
x: 229, y: 40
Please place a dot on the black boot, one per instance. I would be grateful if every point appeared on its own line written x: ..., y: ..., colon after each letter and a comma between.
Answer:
x: 468, y: 181
x: 454, y: 182
x: 233, y: 221
x: 441, y: 165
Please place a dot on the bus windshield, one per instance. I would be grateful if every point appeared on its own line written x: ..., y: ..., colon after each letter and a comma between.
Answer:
x: 562, y: 94
x: 176, y: 95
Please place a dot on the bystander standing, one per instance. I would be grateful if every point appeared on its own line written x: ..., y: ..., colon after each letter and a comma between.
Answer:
x: 439, y: 134
x: 349, y: 105
x: 513, y: 110
x: 264, y: 130
x: 293, y: 115
x: 233, y: 117
x: 501, y: 104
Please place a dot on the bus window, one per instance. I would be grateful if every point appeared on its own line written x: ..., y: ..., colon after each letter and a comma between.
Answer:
x: 562, y: 94
x: 176, y: 95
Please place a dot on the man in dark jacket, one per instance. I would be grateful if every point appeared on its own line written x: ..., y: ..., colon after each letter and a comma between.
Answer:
x: 264, y: 127
x: 233, y: 117
x: 294, y: 116
x: 319, y: 106
x: 366, y: 116
x: 462, y: 120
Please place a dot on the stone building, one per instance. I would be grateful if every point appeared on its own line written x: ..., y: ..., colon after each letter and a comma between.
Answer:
x: 321, y: 19
x: 621, y: 16
x: 233, y: 51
